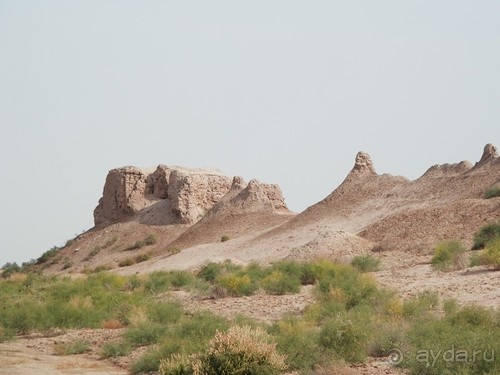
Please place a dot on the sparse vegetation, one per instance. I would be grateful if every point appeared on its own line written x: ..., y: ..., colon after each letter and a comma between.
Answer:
x: 350, y: 319
x: 449, y: 256
x: 174, y: 250
x: 77, y: 347
x: 492, y: 192
x: 48, y: 255
x: 112, y: 349
x: 490, y: 256
x: 279, y: 283
x: 126, y: 262
x: 148, y: 241
x: 485, y: 235
x: 224, y: 238
x: 366, y: 263
x: 142, y: 258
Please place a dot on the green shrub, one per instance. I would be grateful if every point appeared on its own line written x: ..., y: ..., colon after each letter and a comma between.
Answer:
x: 485, y: 235
x: 49, y: 254
x: 492, y: 192
x: 210, y: 271
x: 298, y: 341
x: 472, y: 315
x: 389, y: 335
x: 345, y: 337
x: 224, y: 238
x: 158, y: 281
x: 241, y: 350
x: 420, y: 305
x: 490, y: 256
x: 177, y: 364
x: 165, y: 312
x: 448, y: 256
x: 180, y: 279
x: 200, y: 327
x: 279, y: 283
x: 113, y: 349
x: 366, y: 263
x: 146, y: 333
x: 77, y: 347
x: 447, y: 347
x: 10, y: 268
x: 148, y: 363
x: 236, y: 285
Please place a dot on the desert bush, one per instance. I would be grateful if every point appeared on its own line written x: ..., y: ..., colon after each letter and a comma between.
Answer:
x: 180, y: 279
x: 174, y: 250
x: 9, y: 269
x: 157, y: 282
x: 485, y: 235
x: 420, y: 305
x: 345, y: 284
x: 101, y: 268
x: 279, y: 283
x: 148, y: 363
x: 492, y: 192
x: 448, y: 256
x: 224, y: 238
x: 490, y: 256
x: 389, y: 335
x: 298, y: 340
x: 113, y: 349
x: 366, y: 263
x: 236, y: 285
x: 49, y: 254
x: 177, y: 364
x: 345, y: 337
x: 126, y: 262
x: 165, y: 312
x: 142, y: 258
x: 146, y: 333
x: 109, y: 242
x: 447, y: 346
x: 77, y: 347
x: 148, y: 241
x: 200, y: 327
x: 472, y: 315
x: 241, y: 350
x: 210, y: 271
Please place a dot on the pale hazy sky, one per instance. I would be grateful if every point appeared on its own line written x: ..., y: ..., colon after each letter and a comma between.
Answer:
x: 283, y: 91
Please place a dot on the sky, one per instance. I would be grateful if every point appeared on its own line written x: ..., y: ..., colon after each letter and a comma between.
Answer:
x: 285, y: 91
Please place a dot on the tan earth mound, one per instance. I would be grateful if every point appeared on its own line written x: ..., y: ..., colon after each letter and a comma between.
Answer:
x: 447, y: 202
x: 243, y: 210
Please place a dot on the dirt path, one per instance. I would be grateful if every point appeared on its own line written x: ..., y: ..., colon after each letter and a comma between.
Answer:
x: 18, y: 359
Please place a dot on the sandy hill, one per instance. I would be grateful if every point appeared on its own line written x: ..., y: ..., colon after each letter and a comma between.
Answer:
x: 176, y: 217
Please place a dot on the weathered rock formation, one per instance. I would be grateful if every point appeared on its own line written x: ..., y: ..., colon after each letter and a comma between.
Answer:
x: 175, y: 195
x: 188, y: 194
